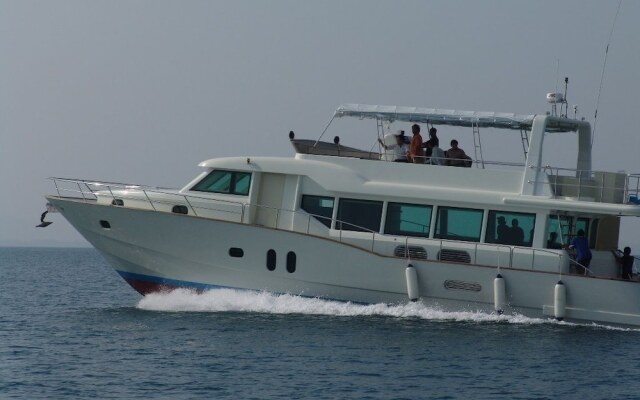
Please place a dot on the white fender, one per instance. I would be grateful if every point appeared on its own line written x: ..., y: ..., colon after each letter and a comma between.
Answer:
x: 499, y: 294
x: 412, y: 283
x: 560, y: 301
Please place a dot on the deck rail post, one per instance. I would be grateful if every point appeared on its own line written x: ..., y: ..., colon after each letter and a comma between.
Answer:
x: 113, y: 196
x: 55, y: 182
x: 149, y: 199
x: 81, y: 191
x: 190, y: 205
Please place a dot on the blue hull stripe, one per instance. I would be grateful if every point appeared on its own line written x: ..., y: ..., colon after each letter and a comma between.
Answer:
x: 168, y: 282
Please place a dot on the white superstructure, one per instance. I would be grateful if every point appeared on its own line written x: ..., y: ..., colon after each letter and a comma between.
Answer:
x: 341, y: 223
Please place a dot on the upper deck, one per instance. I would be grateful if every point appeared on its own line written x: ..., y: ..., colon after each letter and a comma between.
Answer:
x: 539, y: 182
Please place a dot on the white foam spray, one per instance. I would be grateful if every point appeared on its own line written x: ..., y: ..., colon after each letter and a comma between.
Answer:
x: 230, y: 300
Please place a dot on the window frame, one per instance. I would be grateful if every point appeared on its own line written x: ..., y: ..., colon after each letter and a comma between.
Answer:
x: 399, y: 232
x: 466, y: 238
x: 492, y: 216
x: 235, y: 176
x: 325, y: 220
x: 343, y: 225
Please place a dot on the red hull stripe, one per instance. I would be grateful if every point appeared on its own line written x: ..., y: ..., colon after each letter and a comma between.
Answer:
x: 146, y: 284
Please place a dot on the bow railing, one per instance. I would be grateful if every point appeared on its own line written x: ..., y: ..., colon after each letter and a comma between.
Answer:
x: 166, y: 200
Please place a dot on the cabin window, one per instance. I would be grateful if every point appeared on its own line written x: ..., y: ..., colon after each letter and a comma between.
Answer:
x: 459, y: 224
x: 558, y: 228
x: 582, y: 223
x: 408, y: 219
x: 221, y: 181
x: 241, y: 183
x: 359, y: 215
x: 562, y: 229
x: 510, y: 228
x: 320, y: 207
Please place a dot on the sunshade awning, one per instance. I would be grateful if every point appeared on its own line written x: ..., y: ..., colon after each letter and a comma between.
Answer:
x: 437, y: 116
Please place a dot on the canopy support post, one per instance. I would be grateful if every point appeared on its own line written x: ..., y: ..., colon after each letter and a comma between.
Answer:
x: 525, y: 142
x: 325, y: 130
x: 477, y: 144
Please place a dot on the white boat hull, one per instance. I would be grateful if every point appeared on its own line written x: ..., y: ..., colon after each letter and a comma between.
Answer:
x: 157, y: 250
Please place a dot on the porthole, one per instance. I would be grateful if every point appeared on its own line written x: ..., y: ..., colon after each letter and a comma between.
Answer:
x: 105, y: 224
x: 271, y: 260
x: 180, y: 210
x: 291, y: 262
x: 117, y: 202
x: 236, y: 252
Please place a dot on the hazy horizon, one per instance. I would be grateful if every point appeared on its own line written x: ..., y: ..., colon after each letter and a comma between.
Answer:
x: 142, y: 91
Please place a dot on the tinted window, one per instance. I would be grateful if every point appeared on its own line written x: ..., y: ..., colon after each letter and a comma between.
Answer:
x: 459, y: 224
x: 220, y: 181
x: 510, y: 228
x: 241, y: 183
x: 581, y: 224
x: 563, y: 229
x: 558, y: 228
x: 359, y: 215
x: 320, y: 207
x: 408, y: 219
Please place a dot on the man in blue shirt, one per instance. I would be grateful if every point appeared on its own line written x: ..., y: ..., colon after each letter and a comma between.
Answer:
x: 583, y: 254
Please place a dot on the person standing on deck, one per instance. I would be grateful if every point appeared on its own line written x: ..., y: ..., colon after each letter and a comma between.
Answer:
x: 416, y: 154
x: 583, y: 254
x: 435, y: 155
x: 456, y: 157
x: 433, y: 140
x: 399, y: 149
x: 626, y: 261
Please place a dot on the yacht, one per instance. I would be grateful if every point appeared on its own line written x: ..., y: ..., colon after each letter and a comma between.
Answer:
x: 344, y: 223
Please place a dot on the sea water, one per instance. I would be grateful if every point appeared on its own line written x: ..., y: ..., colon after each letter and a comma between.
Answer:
x: 71, y: 328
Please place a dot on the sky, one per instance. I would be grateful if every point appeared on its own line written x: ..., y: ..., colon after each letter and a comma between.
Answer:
x: 142, y: 91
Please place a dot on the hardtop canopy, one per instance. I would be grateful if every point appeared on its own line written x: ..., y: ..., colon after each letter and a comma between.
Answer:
x: 436, y: 116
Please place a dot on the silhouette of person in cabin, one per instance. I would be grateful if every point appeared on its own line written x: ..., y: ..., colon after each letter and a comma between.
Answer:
x: 502, y: 231
x: 552, y: 243
x: 516, y: 234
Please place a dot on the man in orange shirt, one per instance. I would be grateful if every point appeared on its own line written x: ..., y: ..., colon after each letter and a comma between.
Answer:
x: 416, y: 153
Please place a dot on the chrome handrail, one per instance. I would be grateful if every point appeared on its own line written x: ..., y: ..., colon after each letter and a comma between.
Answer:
x: 337, y: 224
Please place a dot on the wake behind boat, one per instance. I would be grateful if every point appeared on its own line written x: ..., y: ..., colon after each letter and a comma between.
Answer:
x: 342, y: 223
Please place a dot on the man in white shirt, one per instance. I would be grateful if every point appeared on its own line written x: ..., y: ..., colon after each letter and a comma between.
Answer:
x: 400, y: 149
x: 437, y: 154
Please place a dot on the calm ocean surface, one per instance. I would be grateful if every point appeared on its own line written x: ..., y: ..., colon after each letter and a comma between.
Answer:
x: 71, y: 328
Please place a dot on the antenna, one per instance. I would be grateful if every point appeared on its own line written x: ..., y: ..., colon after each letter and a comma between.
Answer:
x: 555, y: 97
x: 557, y: 73
x: 604, y: 65
x: 566, y: 106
